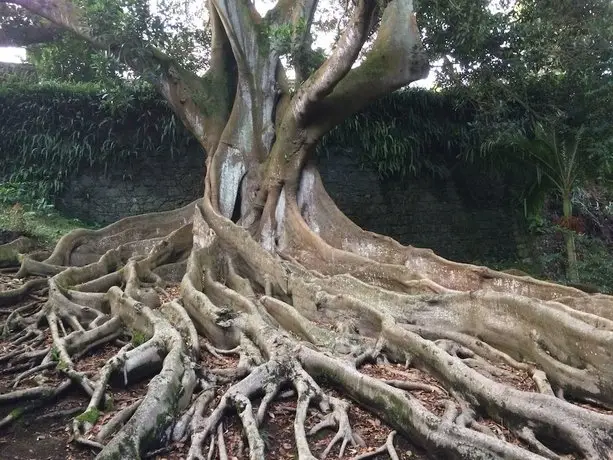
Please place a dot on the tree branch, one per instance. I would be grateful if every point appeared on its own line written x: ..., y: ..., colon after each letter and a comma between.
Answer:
x: 221, y: 75
x: 19, y: 29
x: 28, y: 35
x: 292, y: 11
x: 332, y: 71
x: 396, y: 59
x: 181, y: 88
x: 240, y: 19
x: 300, y: 15
x: 62, y: 13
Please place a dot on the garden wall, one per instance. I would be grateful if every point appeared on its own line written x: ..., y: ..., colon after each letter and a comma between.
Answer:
x: 456, y: 220
x: 159, y: 182
x: 100, y: 155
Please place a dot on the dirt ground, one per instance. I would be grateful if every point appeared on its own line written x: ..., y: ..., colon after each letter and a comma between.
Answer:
x: 38, y: 436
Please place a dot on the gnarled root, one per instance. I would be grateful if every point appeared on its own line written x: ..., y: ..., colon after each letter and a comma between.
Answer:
x: 301, y: 324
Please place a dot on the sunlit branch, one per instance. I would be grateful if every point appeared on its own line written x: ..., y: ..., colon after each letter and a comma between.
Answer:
x: 323, y: 81
x: 396, y: 59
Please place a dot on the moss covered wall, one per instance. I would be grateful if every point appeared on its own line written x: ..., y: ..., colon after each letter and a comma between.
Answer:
x: 394, y: 169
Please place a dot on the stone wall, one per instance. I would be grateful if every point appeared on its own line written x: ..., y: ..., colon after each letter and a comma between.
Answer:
x: 456, y: 217
x: 464, y: 217
x: 156, y: 183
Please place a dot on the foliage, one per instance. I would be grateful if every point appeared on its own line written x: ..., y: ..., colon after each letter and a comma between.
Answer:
x: 286, y: 39
x: 91, y: 416
x: 16, y: 413
x: 552, y: 67
x: 138, y: 337
x: 528, y: 62
x: 49, y: 131
x: 594, y: 259
x: 55, y: 354
x: 53, y: 130
x: 407, y: 133
x: 176, y: 32
x: 462, y: 35
x: 592, y: 228
x: 540, y: 73
x: 13, y: 73
x: 70, y: 59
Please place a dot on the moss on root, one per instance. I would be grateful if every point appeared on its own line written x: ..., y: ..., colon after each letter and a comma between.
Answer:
x: 90, y: 416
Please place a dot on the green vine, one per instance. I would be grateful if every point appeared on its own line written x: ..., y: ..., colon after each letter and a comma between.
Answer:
x: 407, y: 133
x: 52, y: 131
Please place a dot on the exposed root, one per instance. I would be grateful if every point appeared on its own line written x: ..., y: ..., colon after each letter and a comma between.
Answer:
x: 505, y: 350
x: 412, y: 386
x: 15, y: 295
x: 117, y: 421
x: 387, y: 447
x: 11, y: 253
x: 36, y: 397
x: 339, y: 418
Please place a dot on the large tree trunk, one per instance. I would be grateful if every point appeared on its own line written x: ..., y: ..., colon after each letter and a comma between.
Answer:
x: 270, y: 269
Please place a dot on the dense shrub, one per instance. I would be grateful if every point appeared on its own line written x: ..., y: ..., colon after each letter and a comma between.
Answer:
x: 49, y: 131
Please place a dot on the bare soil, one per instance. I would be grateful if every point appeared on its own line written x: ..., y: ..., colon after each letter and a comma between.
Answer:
x: 39, y: 435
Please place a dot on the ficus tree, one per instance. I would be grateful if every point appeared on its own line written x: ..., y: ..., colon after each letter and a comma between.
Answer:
x: 270, y: 269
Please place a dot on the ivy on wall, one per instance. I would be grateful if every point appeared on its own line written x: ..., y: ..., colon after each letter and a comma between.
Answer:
x: 50, y: 131
x: 409, y: 132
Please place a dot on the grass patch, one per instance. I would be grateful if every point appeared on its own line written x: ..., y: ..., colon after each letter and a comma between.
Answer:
x: 46, y: 226
x: 16, y: 413
x: 138, y: 338
x: 90, y: 416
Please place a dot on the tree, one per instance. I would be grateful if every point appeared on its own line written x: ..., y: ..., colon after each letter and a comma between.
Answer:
x: 272, y: 270
x: 68, y: 59
x: 569, y: 56
x: 540, y: 73
x: 558, y: 158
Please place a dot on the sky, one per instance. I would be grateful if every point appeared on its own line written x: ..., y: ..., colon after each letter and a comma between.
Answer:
x: 11, y: 54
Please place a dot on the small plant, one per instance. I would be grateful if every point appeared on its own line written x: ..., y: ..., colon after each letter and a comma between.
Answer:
x: 138, y: 337
x: 89, y: 416
x: 55, y: 354
x: 16, y: 413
